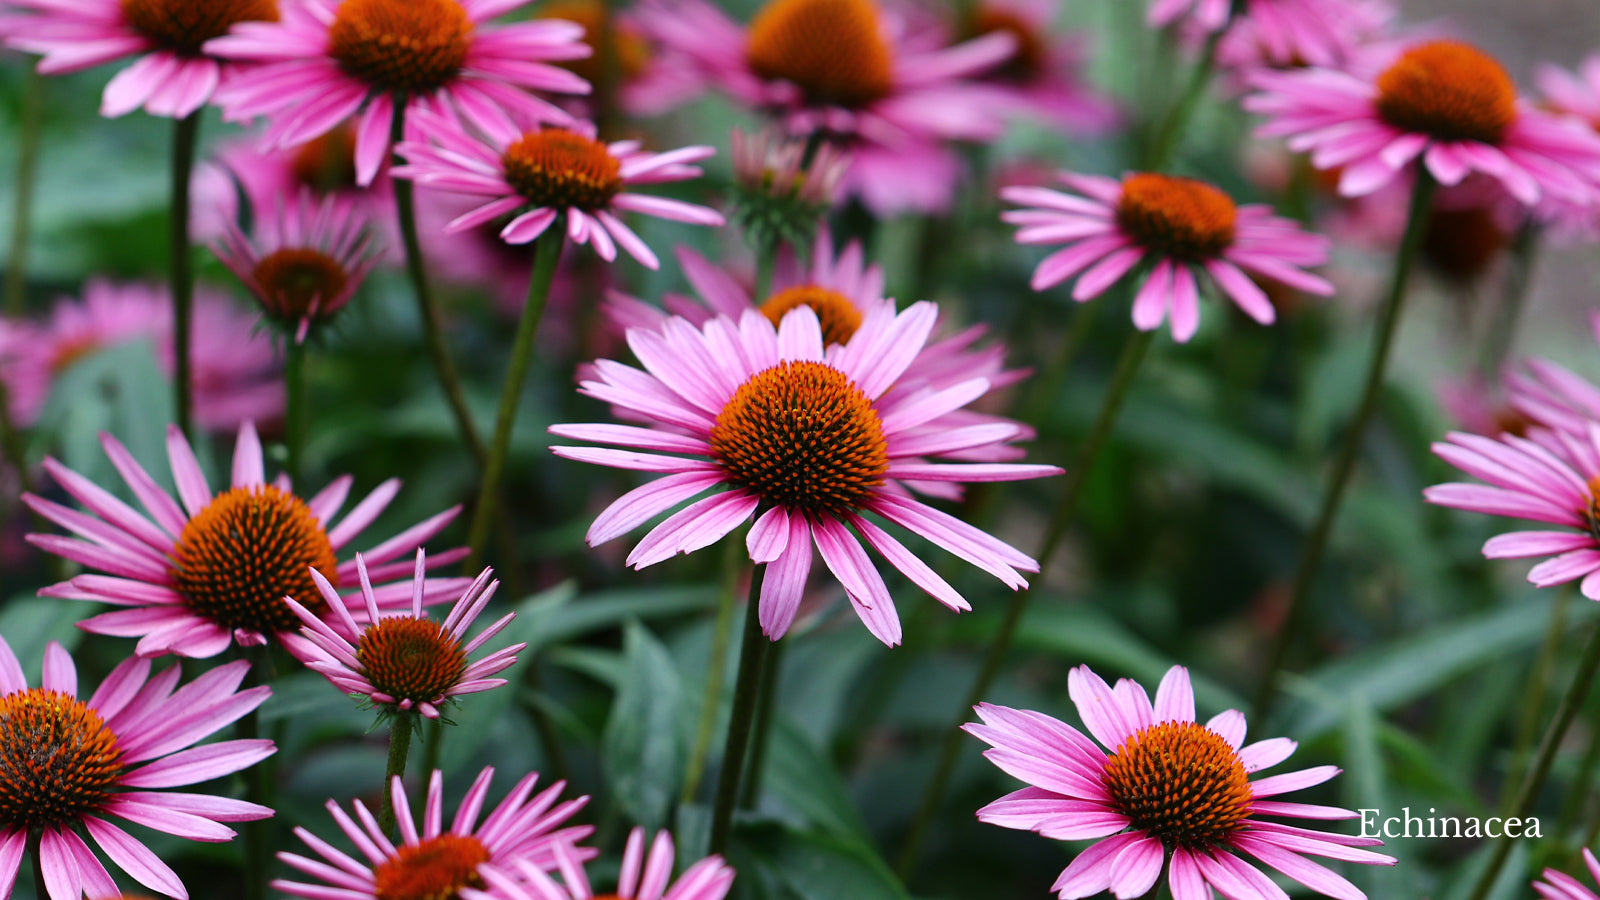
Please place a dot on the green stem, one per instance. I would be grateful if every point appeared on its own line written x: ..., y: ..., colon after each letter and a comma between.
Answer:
x: 766, y: 260
x: 546, y: 255
x: 1579, y: 795
x: 1048, y: 385
x: 399, y: 748
x: 545, y: 728
x: 1171, y: 131
x: 1133, y: 353
x: 721, y: 632
x: 294, y: 427
x: 257, y: 835
x: 1497, y: 343
x: 185, y: 138
x: 1533, y: 696
x: 432, y: 327
x: 1533, y: 782
x: 22, y: 207
x: 1344, y: 464
x: 746, y: 688
x: 766, y: 704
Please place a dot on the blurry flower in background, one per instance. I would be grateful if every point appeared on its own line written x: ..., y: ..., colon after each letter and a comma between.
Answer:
x: 1044, y: 77
x: 648, y: 81
x: 307, y: 260
x: 1481, y: 407
x: 641, y: 878
x: 401, y: 661
x: 198, y: 578
x: 328, y: 60
x: 1288, y: 34
x: 68, y: 765
x: 434, y: 861
x: 1181, y: 226
x: 1172, y: 793
x: 174, y: 75
x: 780, y: 194
x: 1561, y: 886
x: 235, y: 368
x: 536, y: 177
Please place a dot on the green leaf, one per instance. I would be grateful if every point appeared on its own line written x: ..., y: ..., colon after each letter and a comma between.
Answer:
x: 805, y: 781
x: 30, y: 623
x: 644, y: 747
x: 121, y: 390
x: 815, y: 867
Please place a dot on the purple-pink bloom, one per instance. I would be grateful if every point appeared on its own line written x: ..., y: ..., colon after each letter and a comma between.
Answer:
x: 1045, y: 76
x: 641, y: 878
x: 68, y: 765
x: 1561, y: 886
x: 1170, y: 793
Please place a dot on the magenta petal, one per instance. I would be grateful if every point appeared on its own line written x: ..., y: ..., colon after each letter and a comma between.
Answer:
x: 1090, y: 873
x: 134, y: 858
x: 1135, y: 870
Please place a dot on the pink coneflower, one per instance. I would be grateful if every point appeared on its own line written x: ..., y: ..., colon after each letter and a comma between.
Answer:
x: 213, y: 572
x: 1171, y: 792
x: 402, y: 661
x: 435, y: 862
x: 67, y: 764
x: 1573, y: 93
x: 1044, y: 77
x: 307, y: 259
x: 539, y: 176
x: 641, y: 878
x: 1445, y: 103
x: 235, y: 369
x: 1181, y: 227
x: 780, y: 190
x: 809, y: 437
x: 1285, y: 34
x: 1480, y: 407
x: 174, y: 75
x: 329, y: 59
x: 1561, y: 886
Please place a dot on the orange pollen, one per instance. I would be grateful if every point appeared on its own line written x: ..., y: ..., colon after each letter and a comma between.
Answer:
x: 411, y: 659
x: 831, y: 49
x: 562, y: 169
x: 1449, y: 91
x: 1178, y: 217
x: 1180, y: 782
x: 248, y: 549
x: 836, y: 312
x: 435, y: 869
x: 801, y: 435
x: 401, y: 46
x: 182, y: 26
x: 327, y: 163
x: 299, y: 282
x: 630, y: 51
x: 1028, y: 61
x: 58, y: 761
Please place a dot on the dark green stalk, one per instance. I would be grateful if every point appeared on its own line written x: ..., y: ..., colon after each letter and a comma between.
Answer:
x: 766, y: 704
x: 1533, y: 782
x: 400, y: 726
x: 733, y: 557
x: 752, y: 659
x: 1533, y: 696
x: 1579, y: 794
x: 22, y: 207
x: 1524, y: 254
x: 185, y: 138
x: 1344, y: 464
x: 294, y: 428
x: 1171, y: 132
x: 545, y: 728
x: 546, y: 255
x: 432, y: 327
x: 257, y: 835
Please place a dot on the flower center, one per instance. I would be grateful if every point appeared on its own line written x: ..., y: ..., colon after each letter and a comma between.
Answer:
x: 801, y: 435
x: 410, y: 46
x: 58, y: 761
x: 435, y: 869
x: 411, y: 659
x: 1027, y: 62
x: 628, y: 48
x: 1449, y: 91
x: 299, y: 282
x: 1180, y: 782
x: 836, y: 312
x: 327, y: 163
x: 1179, y: 217
x: 183, y: 25
x: 830, y: 49
x: 248, y: 549
x: 562, y: 169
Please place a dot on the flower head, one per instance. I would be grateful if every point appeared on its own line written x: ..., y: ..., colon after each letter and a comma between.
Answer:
x: 434, y: 862
x: 1181, y: 227
x: 1561, y: 886
x: 1284, y: 34
x: 201, y: 576
x: 402, y: 661
x: 810, y: 439
x: 327, y: 60
x: 780, y: 194
x: 539, y: 176
x: 1446, y: 104
x: 1044, y: 76
x: 68, y: 764
x: 1165, y: 791
x: 641, y: 878
x: 175, y: 73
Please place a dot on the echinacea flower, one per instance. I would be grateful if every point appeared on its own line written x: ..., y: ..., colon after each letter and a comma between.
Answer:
x: 211, y: 572
x: 1044, y: 77
x: 327, y: 60
x: 1181, y: 227
x: 806, y: 437
x: 402, y: 661
x: 1166, y: 791
x: 1573, y: 93
x: 444, y: 862
x: 175, y: 73
x: 1285, y: 34
x: 1445, y: 105
x: 539, y: 176
x: 1561, y: 886
x: 641, y: 878
x: 68, y: 765
x: 780, y: 191
x: 307, y: 259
